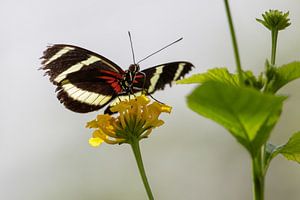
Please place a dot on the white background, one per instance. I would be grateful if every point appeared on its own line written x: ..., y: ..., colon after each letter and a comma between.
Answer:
x: 44, y: 151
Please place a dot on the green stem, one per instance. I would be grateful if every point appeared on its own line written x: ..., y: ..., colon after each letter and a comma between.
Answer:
x: 234, y: 42
x: 258, y: 177
x: 274, y: 46
x: 138, y: 157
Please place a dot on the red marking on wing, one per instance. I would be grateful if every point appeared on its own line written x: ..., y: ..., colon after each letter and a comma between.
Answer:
x: 116, y: 87
x: 114, y: 74
x: 114, y: 82
x: 112, y: 78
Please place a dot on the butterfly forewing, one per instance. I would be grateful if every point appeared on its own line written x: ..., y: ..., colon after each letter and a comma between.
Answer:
x: 85, y: 80
x: 60, y: 60
x: 159, y: 76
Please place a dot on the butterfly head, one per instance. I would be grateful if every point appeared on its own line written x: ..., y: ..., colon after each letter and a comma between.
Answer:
x: 134, y: 68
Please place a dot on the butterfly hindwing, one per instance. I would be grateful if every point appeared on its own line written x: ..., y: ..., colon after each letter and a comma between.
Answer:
x: 155, y: 78
x: 85, y: 80
x: 88, y: 102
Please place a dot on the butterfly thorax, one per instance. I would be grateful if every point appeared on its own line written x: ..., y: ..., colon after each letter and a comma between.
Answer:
x: 128, y: 78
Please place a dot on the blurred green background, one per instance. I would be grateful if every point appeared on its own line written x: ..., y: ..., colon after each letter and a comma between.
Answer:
x: 44, y: 151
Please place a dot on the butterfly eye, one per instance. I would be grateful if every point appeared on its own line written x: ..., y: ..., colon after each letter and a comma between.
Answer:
x: 134, y: 68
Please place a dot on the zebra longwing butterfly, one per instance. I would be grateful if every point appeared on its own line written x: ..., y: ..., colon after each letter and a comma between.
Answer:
x: 87, y: 81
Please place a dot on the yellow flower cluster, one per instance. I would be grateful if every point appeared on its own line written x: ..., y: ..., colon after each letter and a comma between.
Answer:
x: 135, y: 119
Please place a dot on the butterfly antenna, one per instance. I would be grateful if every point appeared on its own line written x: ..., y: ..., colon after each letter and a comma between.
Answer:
x: 131, y: 47
x: 160, y: 49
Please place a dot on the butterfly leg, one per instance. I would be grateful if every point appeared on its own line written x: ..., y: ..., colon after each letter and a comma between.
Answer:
x: 119, y: 98
x: 154, y: 98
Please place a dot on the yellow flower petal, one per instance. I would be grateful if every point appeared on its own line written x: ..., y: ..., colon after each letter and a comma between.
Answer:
x: 122, y: 121
x: 95, y: 142
x: 157, y: 123
x: 92, y: 124
x: 100, y: 134
x: 153, y: 123
x: 166, y: 108
x: 105, y: 138
x: 158, y: 107
x: 121, y: 106
x: 103, y: 120
x: 142, y: 100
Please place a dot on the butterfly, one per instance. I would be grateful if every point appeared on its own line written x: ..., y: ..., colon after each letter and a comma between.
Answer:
x: 87, y: 81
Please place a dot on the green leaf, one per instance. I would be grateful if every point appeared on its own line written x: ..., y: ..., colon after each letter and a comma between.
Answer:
x: 283, y: 75
x: 217, y: 74
x: 222, y: 75
x: 246, y: 113
x: 291, y: 150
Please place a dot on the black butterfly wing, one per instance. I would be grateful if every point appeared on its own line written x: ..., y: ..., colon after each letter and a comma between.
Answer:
x: 155, y: 78
x: 85, y: 80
